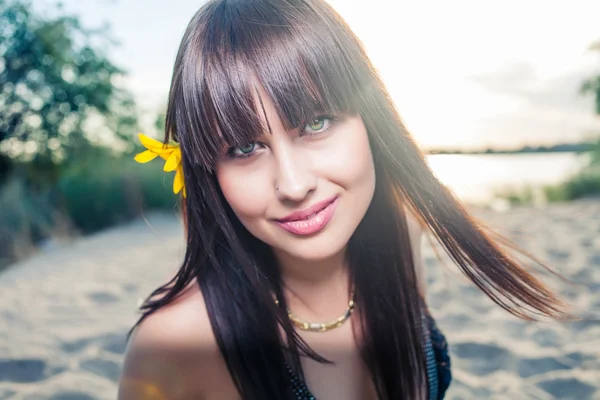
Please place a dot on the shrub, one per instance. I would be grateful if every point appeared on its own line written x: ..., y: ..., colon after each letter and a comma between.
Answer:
x: 109, y: 190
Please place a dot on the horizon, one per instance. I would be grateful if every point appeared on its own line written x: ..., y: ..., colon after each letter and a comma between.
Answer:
x: 480, y: 87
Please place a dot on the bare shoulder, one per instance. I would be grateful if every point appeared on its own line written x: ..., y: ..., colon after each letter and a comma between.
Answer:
x: 173, y: 353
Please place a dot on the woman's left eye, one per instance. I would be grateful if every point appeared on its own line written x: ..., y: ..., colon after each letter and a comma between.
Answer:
x: 242, y: 151
x: 318, y: 124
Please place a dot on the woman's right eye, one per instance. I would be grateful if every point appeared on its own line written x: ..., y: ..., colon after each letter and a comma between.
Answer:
x: 242, y: 151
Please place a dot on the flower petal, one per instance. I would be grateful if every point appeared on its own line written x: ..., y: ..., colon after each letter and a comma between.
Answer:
x: 178, y: 181
x: 165, y: 154
x: 172, y: 162
x: 150, y: 143
x: 145, y: 156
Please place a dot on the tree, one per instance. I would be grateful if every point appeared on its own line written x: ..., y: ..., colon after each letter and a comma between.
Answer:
x: 56, y: 83
x: 591, y: 86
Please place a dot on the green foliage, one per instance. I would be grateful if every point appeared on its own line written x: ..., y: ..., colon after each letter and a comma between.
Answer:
x: 57, y: 92
x: 587, y: 181
x: 584, y: 184
x: 595, y: 155
x: 66, y: 134
x: 91, y: 194
x: 25, y: 219
x: 107, y: 190
x: 591, y: 86
x: 160, y: 122
x: 519, y: 197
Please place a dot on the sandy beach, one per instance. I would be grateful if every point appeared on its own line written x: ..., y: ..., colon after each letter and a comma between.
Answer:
x: 64, y: 312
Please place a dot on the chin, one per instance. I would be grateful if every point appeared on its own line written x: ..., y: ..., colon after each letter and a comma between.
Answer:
x: 313, y: 250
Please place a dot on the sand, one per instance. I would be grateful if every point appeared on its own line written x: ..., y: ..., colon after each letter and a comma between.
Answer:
x: 64, y: 312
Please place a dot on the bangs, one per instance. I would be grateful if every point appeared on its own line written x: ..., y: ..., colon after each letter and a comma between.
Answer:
x: 238, y: 47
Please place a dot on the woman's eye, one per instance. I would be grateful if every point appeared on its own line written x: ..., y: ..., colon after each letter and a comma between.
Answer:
x: 318, y: 124
x: 247, y: 149
x: 243, y: 151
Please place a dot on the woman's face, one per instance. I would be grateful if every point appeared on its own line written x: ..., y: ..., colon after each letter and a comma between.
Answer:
x: 304, y: 191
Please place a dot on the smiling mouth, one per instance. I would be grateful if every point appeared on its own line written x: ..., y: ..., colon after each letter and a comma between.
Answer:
x: 311, y: 220
x: 308, y: 212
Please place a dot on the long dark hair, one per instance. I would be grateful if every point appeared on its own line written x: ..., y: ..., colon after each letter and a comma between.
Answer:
x: 308, y: 60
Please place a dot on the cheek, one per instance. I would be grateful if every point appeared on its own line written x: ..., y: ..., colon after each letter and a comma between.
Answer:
x: 349, y: 162
x: 244, y: 192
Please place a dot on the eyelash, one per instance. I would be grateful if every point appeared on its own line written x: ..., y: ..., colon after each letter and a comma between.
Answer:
x: 331, y: 118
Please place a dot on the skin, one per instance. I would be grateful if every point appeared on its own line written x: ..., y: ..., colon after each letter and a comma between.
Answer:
x: 309, y: 164
x: 173, y: 354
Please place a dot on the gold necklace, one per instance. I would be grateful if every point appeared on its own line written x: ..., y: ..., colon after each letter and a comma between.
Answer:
x: 322, y: 326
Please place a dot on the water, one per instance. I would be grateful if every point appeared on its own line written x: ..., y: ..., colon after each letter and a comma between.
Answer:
x: 478, y: 178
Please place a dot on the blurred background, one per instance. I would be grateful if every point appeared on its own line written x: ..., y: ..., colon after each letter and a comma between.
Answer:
x: 504, y: 96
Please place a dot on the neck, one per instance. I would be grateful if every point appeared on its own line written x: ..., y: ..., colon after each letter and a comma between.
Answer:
x: 315, y: 289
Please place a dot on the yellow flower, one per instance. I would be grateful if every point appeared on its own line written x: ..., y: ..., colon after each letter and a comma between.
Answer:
x: 171, y: 153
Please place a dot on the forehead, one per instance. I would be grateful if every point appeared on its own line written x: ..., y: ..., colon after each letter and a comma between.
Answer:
x: 239, y: 80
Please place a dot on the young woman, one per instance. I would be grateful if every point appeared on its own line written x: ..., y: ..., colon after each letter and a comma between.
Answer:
x: 304, y: 199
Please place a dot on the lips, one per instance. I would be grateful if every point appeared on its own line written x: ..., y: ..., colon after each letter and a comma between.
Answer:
x: 308, y: 212
x: 311, y: 219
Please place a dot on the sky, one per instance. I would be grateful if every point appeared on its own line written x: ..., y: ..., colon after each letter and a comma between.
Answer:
x: 463, y: 73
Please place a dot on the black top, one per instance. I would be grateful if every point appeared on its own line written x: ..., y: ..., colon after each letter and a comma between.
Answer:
x: 439, y: 373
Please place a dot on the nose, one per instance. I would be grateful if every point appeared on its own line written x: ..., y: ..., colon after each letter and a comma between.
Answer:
x: 295, y: 179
